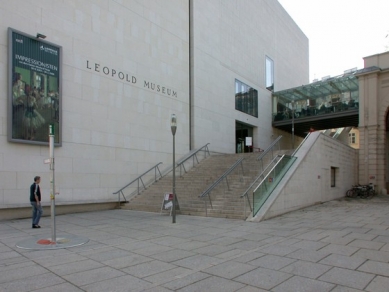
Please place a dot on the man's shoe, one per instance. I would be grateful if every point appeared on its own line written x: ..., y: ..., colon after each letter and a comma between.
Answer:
x: 36, y: 226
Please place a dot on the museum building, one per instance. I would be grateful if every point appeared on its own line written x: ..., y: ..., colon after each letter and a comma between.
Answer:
x: 108, y: 75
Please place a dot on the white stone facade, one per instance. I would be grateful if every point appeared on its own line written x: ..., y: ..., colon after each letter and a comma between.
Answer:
x: 231, y: 40
x: 323, y: 171
x: 113, y: 129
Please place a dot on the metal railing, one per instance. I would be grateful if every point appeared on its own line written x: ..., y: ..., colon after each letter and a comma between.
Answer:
x: 261, y: 175
x: 180, y: 163
x: 138, y: 179
x: 192, y: 154
x: 270, y: 148
x: 297, y: 149
x: 220, y: 179
x: 263, y: 191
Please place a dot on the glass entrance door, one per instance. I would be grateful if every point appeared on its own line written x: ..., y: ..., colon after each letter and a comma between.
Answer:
x: 241, y: 132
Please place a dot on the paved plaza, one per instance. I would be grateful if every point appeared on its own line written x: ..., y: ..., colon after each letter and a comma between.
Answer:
x: 337, y: 246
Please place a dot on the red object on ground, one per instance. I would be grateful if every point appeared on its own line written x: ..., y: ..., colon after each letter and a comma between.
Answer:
x: 45, y: 242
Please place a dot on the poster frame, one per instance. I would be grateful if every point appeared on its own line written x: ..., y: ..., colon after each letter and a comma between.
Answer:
x: 11, y: 65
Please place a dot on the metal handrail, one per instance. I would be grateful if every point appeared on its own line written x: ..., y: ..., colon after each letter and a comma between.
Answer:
x: 270, y: 148
x: 166, y: 172
x: 264, y: 179
x: 182, y: 160
x: 193, y: 155
x: 295, y: 151
x: 211, y: 187
x: 245, y: 194
x: 139, y: 178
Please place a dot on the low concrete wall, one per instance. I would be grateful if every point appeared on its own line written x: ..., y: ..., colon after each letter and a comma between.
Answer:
x: 308, y: 181
x: 25, y: 212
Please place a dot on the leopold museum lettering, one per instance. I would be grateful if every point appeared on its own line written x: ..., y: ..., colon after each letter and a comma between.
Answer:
x: 129, y: 78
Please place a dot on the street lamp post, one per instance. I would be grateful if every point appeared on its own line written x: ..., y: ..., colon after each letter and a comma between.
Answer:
x: 173, y: 126
x: 293, y: 124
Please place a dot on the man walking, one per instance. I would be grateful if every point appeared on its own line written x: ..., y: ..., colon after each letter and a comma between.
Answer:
x: 35, y: 199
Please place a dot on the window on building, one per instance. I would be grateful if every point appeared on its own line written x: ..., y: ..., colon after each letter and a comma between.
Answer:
x: 269, y: 74
x: 246, y: 99
x: 351, y: 137
x: 333, y: 176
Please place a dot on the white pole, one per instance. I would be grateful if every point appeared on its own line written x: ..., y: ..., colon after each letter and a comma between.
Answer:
x: 52, y: 183
x: 293, y: 124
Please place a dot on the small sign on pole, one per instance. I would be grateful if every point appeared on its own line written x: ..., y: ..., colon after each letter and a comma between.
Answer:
x: 167, y: 203
x: 249, y: 141
x: 51, y: 129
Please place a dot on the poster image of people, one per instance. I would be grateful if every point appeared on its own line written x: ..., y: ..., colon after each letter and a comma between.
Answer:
x: 34, y: 95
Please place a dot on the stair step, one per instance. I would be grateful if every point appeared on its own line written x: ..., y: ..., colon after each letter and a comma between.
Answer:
x: 226, y: 202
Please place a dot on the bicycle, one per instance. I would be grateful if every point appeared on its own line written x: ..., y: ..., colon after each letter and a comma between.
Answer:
x: 362, y: 191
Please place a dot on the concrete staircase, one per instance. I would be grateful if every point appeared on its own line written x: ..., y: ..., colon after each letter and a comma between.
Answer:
x: 226, y: 202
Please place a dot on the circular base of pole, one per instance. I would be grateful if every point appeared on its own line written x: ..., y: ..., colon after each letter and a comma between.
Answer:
x: 45, y: 242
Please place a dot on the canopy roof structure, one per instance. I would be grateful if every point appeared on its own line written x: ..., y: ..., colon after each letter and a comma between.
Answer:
x: 320, y: 89
x: 326, y: 104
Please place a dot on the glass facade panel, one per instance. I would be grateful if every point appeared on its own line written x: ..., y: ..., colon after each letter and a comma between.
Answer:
x: 246, y: 98
x: 269, y: 74
x: 270, y: 182
x: 323, y: 97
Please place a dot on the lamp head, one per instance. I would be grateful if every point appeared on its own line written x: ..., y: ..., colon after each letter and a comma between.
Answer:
x: 173, y: 124
x: 40, y: 36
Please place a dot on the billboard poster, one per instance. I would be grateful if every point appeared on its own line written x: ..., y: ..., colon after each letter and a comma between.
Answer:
x: 34, y: 89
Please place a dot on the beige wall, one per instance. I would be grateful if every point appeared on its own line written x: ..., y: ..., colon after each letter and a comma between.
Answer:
x: 355, y: 145
x: 374, y: 103
x: 308, y: 181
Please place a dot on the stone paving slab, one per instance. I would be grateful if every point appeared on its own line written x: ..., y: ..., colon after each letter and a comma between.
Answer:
x: 349, y: 278
x: 375, y: 255
x: 306, y: 269
x: 321, y: 248
x: 366, y: 244
x: 263, y: 278
x: 123, y: 283
x: 32, y: 283
x: 339, y: 249
x: 340, y: 261
x: 214, y: 284
x: 92, y: 276
x: 230, y: 269
x: 379, y: 284
x: 345, y: 289
x: 377, y: 268
x: 308, y: 255
x: 180, y: 282
x: 272, y: 262
x: 250, y: 289
x: 303, y: 285
x: 308, y: 244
